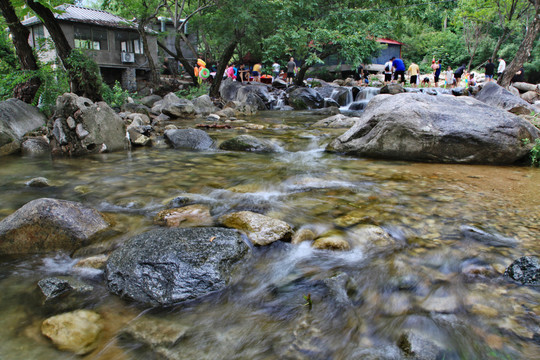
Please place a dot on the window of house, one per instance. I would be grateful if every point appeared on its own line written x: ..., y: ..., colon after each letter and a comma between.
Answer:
x: 87, y: 37
x: 129, y: 42
x: 38, y: 36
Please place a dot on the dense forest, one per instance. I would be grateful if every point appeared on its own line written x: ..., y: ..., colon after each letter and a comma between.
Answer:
x: 456, y: 31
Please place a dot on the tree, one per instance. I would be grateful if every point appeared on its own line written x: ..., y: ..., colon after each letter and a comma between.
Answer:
x: 508, y: 14
x: 83, y: 81
x: 19, y: 34
x: 312, y: 31
x: 524, y: 49
x: 180, y: 14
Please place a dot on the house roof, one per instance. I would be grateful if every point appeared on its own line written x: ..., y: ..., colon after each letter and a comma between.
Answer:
x: 389, y: 41
x: 81, y: 14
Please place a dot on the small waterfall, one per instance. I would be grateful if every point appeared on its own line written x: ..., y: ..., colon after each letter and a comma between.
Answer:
x: 362, y: 99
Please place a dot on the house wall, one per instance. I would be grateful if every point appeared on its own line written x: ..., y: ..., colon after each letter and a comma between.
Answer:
x: 387, y: 53
x: 104, y: 58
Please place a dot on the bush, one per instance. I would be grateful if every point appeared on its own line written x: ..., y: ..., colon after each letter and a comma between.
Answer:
x: 115, y: 97
x: 193, y: 92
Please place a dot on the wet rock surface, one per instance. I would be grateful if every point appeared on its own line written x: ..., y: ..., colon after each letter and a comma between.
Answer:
x: 189, y: 139
x: 525, y: 270
x: 260, y: 229
x: 76, y: 332
x: 251, y: 144
x: 45, y: 224
x: 306, y: 98
x: 166, y: 266
x: 436, y: 129
x: 497, y: 96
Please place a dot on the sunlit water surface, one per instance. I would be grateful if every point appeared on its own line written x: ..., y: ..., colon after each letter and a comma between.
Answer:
x: 362, y: 301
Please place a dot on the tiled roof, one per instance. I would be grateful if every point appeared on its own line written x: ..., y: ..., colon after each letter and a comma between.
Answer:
x: 85, y: 15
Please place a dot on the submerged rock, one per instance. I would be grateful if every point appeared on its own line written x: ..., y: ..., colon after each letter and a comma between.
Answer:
x: 166, y: 266
x: 448, y: 129
x: 190, y: 139
x: 369, y: 237
x: 303, y: 235
x: 336, y: 121
x: 44, y: 225
x: 76, y: 331
x: 36, y: 146
x: 38, y: 182
x: 63, y: 293
x: 484, y: 237
x: 525, y: 270
x: 260, y: 229
x: 332, y: 240
x: 188, y: 216
x: 155, y: 332
x: 251, y: 144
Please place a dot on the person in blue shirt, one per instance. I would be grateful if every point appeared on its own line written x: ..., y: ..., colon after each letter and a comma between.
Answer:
x: 399, y: 69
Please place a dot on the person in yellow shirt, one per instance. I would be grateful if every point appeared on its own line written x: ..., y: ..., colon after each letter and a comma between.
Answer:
x: 414, y: 71
x: 257, y: 72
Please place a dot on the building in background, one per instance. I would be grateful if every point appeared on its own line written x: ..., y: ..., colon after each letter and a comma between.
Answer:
x: 112, y: 41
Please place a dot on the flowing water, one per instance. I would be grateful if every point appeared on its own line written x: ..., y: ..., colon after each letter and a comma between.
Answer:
x: 444, y: 289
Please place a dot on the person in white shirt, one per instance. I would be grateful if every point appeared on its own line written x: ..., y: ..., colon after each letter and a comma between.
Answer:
x: 275, y: 70
x: 501, y: 68
x: 388, y: 72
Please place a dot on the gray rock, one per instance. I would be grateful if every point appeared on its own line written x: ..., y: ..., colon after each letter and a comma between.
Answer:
x: 336, y: 121
x: 524, y: 87
x: 136, y: 108
x: 419, y: 127
x: 333, y: 110
x: 228, y: 89
x: 150, y: 100
x: 495, y: 95
x: 419, y: 346
x: 38, y: 182
x: 513, y: 90
x: 339, y: 94
x: 16, y: 119
x: 525, y: 270
x: 212, y: 117
x: 260, y: 229
x: 71, y: 123
x: 155, y: 332
x: 44, y: 225
x: 250, y: 143
x: 392, y: 89
x: 330, y: 103
x: 492, y: 239
x: 204, y: 105
x: 173, y: 106
x: 81, y: 132
x: 530, y: 96
x: 63, y: 293
x: 38, y: 146
x: 306, y: 98
x: 106, y: 130
x: 253, y: 96
x: 190, y: 139
x: 279, y: 84
x: 167, y: 266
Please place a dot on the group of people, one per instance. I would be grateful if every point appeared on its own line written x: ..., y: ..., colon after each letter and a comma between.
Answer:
x: 244, y: 74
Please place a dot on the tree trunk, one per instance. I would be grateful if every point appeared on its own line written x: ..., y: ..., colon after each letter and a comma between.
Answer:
x: 301, y: 74
x: 180, y: 57
x: 154, y: 75
x: 90, y: 89
x: 500, y: 41
x: 524, y: 50
x: 223, y: 62
x: 19, y: 34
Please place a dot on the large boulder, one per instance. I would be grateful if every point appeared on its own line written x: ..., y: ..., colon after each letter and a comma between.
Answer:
x: 36, y: 146
x: 16, y: 119
x: 392, y: 89
x: 173, y: 106
x: 190, y: 139
x: 228, y: 89
x: 44, y: 225
x: 204, y: 105
x: 305, y: 98
x: 495, y: 95
x: 419, y: 127
x: 250, y: 143
x: 150, y: 100
x: 260, y: 229
x: 167, y: 266
x: 523, y: 86
x: 81, y: 127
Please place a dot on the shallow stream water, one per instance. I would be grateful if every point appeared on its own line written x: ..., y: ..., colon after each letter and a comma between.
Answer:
x: 444, y: 288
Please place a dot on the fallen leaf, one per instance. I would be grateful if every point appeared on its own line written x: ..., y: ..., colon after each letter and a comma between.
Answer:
x: 212, y: 238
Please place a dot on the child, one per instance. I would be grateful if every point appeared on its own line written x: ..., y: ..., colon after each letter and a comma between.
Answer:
x: 449, y: 78
x: 425, y: 82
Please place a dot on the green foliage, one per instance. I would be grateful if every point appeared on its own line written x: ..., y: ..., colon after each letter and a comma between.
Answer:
x: 54, y: 82
x: 115, y: 97
x: 322, y: 73
x: 84, y: 71
x: 193, y: 92
x: 535, y: 151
